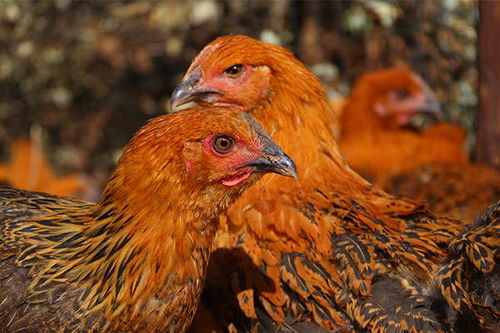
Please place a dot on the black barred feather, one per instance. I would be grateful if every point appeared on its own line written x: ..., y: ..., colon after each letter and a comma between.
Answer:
x: 19, y: 291
x: 370, y: 281
x: 356, y: 263
x: 469, y: 280
x: 393, y: 308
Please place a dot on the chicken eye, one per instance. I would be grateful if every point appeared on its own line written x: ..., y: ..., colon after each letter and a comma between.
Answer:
x: 223, y: 144
x: 401, y: 93
x: 234, y: 71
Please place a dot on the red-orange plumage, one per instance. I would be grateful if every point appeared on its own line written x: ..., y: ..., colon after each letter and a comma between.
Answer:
x: 136, y: 260
x: 318, y: 253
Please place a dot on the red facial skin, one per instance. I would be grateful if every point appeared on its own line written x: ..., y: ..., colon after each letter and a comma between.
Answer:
x: 251, y: 84
x: 240, y: 153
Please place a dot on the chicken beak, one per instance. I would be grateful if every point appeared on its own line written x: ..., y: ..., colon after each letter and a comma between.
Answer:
x: 273, y: 160
x: 431, y: 107
x: 190, y: 90
x: 427, y: 114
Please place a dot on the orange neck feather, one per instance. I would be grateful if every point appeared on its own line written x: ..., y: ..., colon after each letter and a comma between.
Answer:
x: 161, y: 243
x: 301, y: 125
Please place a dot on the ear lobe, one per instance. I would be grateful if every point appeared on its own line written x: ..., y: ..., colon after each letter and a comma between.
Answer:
x: 191, y: 153
x: 261, y: 79
x: 263, y: 70
x: 262, y: 73
x: 380, y: 109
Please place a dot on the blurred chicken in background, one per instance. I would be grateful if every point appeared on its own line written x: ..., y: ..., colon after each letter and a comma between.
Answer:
x: 459, y: 191
x: 29, y: 169
x: 383, y: 139
x: 378, y: 136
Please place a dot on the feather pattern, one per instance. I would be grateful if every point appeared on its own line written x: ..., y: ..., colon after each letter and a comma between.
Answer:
x: 469, y: 280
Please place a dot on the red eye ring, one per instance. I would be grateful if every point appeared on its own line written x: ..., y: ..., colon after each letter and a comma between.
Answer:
x: 234, y: 71
x: 223, y: 144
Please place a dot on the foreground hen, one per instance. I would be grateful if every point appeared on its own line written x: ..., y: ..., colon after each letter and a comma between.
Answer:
x: 329, y: 250
x: 136, y: 260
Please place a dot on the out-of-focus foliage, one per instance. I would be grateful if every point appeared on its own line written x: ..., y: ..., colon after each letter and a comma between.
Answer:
x: 90, y: 73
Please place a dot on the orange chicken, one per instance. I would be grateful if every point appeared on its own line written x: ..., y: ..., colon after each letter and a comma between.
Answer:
x: 136, y: 260
x: 430, y: 165
x: 377, y: 139
x: 328, y: 251
x: 30, y: 170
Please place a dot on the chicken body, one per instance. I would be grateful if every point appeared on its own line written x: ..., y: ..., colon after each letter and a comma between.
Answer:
x: 330, y: 250
x: 136, y: 260
x: 460, y: 191
x: 469, y: 279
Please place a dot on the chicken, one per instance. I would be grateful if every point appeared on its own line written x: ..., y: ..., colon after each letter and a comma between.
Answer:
x: 376, y: 135
x: 432, y: 166
x: 30, y: 170
x: 136, y: 260
x: 326, y: 252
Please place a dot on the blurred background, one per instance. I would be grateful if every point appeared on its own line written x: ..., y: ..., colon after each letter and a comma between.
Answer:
x: 78, y: 78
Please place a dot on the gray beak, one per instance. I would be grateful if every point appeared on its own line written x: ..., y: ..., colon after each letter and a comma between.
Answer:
x: 189, y: 90
x: 277, y: 162
x: 273, y: 158
x: 431, y: 107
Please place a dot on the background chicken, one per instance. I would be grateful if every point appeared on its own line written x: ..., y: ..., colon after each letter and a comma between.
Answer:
x: 29, y: 169
x: 135, y: 261
x: 379, y: 141
x: 377, y: 138
x: 325, y: 250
